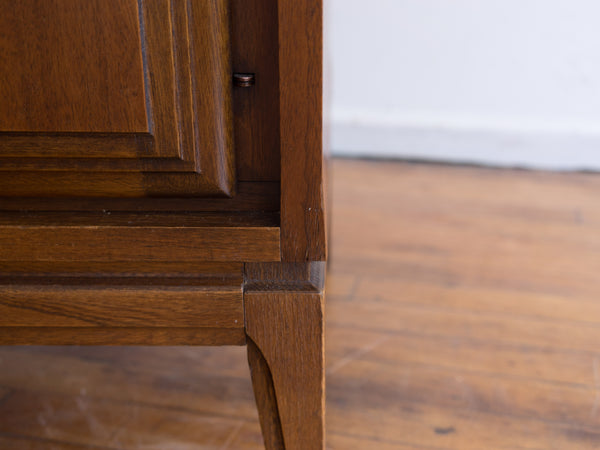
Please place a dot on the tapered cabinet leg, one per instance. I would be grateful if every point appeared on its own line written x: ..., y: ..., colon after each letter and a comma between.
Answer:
x: 285, y: 353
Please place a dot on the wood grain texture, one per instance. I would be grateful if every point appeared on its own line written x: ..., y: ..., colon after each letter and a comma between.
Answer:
x: 34, y: 149
x: 250, y: 196
x: 107, y: 184
x: 255, y: 50
x: 109, y: 309
x: 144, y: 373
x: 176, y: 411
x: 211, y: 87
x: 108, y: 417
x: 14, y: 441
x: 287, y: 363
x: 266, y: 397
x: 119, y: 304
x: 121, y: 336
x: 131, y: 219
x: 51, y: 51
x: 476, y: 329
x: 138, y: 243
x: 189, y: 131
x: 309, y: 277
x: 301, y: 130
x: 199, y: 271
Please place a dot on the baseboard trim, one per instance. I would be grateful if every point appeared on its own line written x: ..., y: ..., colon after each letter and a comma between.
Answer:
x: 522, y: 148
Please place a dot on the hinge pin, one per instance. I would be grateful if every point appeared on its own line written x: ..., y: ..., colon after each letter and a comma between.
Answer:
x: 243, y: 79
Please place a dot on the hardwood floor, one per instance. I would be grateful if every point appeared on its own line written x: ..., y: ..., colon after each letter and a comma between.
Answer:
x: 463, y: 312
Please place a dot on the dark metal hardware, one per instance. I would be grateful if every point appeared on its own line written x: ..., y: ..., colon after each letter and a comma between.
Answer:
x: 243, y: 79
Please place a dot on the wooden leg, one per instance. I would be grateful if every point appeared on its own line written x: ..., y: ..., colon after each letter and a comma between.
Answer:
x: 285, y: 352
x: 266, y: 400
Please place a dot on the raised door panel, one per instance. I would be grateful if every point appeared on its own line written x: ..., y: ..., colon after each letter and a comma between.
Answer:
x: 115, y: 98
x: 51, y: 53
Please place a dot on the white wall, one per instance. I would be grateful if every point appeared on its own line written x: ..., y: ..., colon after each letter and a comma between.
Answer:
x: 506, y: 82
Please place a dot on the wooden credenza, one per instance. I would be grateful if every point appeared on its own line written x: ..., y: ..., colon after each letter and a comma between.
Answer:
x: 161, y: 183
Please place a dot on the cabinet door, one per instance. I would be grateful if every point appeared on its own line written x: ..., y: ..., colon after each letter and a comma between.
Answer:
x: 117, y: 98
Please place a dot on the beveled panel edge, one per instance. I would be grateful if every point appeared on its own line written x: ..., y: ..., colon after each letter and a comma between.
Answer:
x: 250, y: 196
x: 285, y: 276
x: 107, y: 184
x: 76, y: 145
x: 210, y: 55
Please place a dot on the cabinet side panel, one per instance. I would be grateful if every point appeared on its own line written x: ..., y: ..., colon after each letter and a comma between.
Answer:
x: 301, y: 129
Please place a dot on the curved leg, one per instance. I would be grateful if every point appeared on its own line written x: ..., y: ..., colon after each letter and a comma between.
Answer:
x: 285, y: 353
x: 266, y: 401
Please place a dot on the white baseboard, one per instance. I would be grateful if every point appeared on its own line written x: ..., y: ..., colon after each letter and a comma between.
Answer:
x: 552, y: 147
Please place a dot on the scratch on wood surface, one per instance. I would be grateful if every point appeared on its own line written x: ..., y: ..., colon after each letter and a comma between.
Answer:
x: 354, y: 289
x: 94, y: 424
x: 596, y: 371
x: 444, y: 430
x: 357, y: 354
x: 234, y: 433
x: 467, y: 392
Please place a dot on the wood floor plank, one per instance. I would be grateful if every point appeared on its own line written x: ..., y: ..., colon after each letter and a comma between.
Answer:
x: 443, y: 224
x: 517, y: 263
x: 569, y: 367
x: 222, y: 361
x: 501, y: 301
x: 201, y: 389
x: 248, y: 437
x: 519, y: 362
x: 81, y: 422
x: 449, y: 323
x: 400, y: 390
x: 349, y: 441
x: 341, y: 284
x: 523, y: 192
x: 432, y: 428
x: 115, y: 424
x: 14, y: 441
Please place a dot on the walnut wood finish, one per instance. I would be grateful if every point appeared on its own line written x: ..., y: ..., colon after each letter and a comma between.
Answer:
x: 266, y: 398
x: 133, y: 229
x: 118, y: 308
x: 175, y: 115
x: 140, y: 303
x: 284, y: 322
x: 285, y: 275
x: 95, y: 303
x: 51, y: 52
x: 255, y: 50
x: 106, y: 184
x: 250, y: 196
x: 300, y: 122
x: 122, y: 336
x: 99, y: 304
x: 206, y: 271
x: 140, y: 239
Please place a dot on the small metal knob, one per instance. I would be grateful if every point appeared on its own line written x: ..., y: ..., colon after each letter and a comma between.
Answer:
x: 243, y: 79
